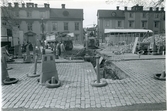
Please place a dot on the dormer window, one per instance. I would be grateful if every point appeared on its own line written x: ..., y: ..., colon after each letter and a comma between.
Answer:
x: 144, y: 15
x: 156, y: 15
x: 131, y: 15
x: 29, y: 14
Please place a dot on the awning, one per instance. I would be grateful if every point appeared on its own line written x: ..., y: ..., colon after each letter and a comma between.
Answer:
x: 127, y: 31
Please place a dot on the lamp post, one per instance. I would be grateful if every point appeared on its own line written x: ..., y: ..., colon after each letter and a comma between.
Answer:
x: 43, y: 38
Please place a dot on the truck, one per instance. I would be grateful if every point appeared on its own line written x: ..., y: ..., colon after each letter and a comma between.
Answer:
x: 65, y: 38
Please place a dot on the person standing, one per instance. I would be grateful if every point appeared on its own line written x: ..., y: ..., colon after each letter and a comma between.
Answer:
x: 58, y: 48
x: 62, y: 48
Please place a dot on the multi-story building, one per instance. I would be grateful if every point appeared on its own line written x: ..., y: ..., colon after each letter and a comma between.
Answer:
x: 36, y: 21
x: 136, y: 18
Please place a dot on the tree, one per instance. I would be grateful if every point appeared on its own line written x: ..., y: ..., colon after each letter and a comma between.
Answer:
x: 145, y: 3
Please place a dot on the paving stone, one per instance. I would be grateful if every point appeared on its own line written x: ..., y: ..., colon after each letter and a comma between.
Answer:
x: 77, y: 91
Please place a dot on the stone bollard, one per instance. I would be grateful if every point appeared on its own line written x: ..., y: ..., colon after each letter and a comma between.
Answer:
x: 49, y: 76
x: 48, y: 68
x: 5, y: 76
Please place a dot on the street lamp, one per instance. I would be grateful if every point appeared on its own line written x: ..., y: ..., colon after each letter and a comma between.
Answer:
x: 43, y: 38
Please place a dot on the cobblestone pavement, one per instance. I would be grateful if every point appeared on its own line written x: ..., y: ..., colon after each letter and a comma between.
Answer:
x: 76, y: 91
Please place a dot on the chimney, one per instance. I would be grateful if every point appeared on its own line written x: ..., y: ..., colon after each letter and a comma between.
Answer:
x: 36, y: 5
x: 125, y: 8
x: 45, y: 5
x: 32, y: 5
x: 117, y: 7
x: 162, y: 8
x: 9, y: 4
x: 151, y: 8
x: 27, y: 4
x: 141, y: 7
x: 157, y: 8
x: 23, y: 5
x: 16, y: 4
x: 48, y: 5
x: 63, y: 6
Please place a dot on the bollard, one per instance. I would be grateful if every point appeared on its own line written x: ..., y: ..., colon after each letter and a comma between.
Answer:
x: 97, y: 68
x: 4, y: 58
x: 98, y: 83
x: 48, y: 68
x: 53, y: 80
x: 5, y: 76
x: 49, y: 76
x: 35, y: 68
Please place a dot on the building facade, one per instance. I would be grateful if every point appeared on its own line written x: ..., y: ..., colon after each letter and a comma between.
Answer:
x: 136, y: 18
x: 36, y: 21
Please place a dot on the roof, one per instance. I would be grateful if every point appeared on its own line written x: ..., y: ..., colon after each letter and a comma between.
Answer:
x: 110, y: 13
x: 126, y: 30
x: 66, y: 13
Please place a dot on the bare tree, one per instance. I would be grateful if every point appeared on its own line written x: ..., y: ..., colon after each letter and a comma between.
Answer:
x: 145, y: 3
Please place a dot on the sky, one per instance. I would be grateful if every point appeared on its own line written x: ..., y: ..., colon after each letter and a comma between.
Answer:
x: 89, y: 7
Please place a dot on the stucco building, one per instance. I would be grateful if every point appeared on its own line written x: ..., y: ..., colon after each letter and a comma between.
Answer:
x: 135, y: 18
x: 29, y: 19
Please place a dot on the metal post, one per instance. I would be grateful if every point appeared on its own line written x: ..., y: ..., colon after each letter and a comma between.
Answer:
x: 43, y: 50
x: 86, y: 38
x: 35, y: 65
x: 97, y: 68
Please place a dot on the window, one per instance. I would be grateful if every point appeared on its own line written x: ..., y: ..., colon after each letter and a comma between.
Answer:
x: 76, y: 36
x: 42, y: 27
x: 144, y: 23
x: 156, y: 15
x: 119, y: 24
x: 16, y: 14
x: 156, y: 24
x: 155, y: 32
x: 29, y: 26
x: 29, y: 14
x: 131, y: 15
x: 76, y: 25
x: 65, y: 26
x: 144, y: 15
x: 54, y: 26
x: 131, y: 23
x: 107, y: 23
x: 3, y: 23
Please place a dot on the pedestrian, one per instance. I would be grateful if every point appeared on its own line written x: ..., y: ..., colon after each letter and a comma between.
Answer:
x: 58, y: 48
x: 62, y: 47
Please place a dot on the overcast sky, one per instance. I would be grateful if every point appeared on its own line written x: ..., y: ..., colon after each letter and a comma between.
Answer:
x: 90, y: 7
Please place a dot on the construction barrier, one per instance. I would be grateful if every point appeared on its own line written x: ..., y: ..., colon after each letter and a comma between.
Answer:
x: 48, y: 69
